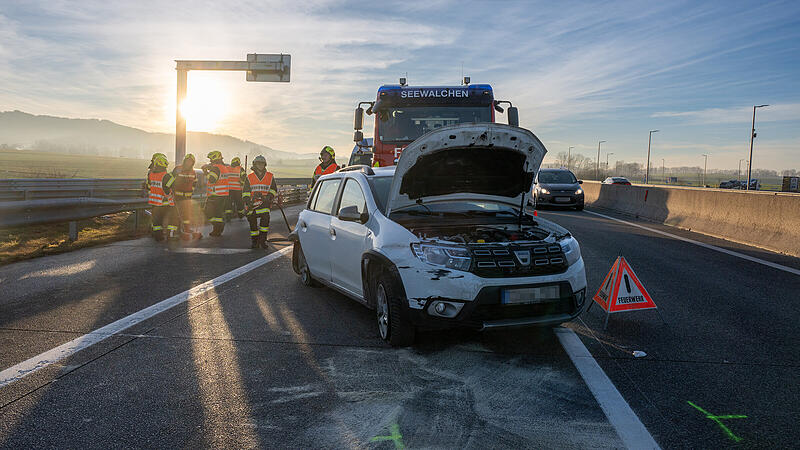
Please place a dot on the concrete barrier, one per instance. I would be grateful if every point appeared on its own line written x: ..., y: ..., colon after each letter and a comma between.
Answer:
x: 769, y: 220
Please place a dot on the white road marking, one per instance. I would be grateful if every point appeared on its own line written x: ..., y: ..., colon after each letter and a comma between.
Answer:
x: 210, y: 251
x: 630, y: 429
x: 56, y: 354
x: 703, y: 244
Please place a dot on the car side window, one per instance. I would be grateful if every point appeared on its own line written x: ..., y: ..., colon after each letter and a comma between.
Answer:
x: 327, y: 195
x: 353, y: 196
x: 313, y: 199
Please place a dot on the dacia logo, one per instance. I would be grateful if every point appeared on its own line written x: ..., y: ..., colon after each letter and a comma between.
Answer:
x: 524, y: 257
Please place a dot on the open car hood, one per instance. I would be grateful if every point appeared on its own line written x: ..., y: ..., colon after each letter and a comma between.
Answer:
x: 477, y: 161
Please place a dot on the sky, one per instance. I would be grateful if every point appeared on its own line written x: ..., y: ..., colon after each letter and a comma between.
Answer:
x: 579, y: 72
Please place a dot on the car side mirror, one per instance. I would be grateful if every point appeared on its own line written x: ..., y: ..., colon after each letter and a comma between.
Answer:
x: 351, y: 214
x: 580, y: 181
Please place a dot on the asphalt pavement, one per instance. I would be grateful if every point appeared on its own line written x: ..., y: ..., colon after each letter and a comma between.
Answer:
x: 262, y: 361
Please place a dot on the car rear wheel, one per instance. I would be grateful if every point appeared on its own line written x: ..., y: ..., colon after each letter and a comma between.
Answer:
x: 302, y: 268
x: 393, y: 327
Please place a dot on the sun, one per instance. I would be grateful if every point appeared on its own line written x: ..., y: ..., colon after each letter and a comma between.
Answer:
x: 206, y: 103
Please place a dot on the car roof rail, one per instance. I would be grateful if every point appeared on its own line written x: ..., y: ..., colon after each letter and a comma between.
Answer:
x: 358, y: 167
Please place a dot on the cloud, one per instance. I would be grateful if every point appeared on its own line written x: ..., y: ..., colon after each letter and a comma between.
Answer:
x: 772, y: 113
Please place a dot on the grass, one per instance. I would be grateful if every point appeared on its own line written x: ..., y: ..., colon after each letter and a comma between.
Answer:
x: 32, y: 164
x: 31, y: 241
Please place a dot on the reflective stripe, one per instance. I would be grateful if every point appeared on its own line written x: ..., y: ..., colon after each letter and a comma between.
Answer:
x: 263, y: 229
x: 172, y: 227
x: 273, y: 192
x: 228, y: 210
x: 253, y: 233
x: 157, y: 227
x: 215, y: 219
x: 245, y: 194
x: 187, y: 221
x: 262, y: 210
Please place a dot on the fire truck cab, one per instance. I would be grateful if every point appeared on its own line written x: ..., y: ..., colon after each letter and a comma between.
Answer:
x: 404, y: 113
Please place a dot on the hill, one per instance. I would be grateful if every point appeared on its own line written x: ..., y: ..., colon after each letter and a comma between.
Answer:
x: 20, y: 130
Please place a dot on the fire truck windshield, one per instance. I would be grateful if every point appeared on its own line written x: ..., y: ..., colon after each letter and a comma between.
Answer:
x: 403, y: 125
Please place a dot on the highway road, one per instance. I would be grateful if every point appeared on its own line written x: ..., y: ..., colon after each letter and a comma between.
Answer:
x: 251, y: 358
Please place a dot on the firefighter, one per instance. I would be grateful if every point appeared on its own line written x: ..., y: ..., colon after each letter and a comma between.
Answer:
x: 159, y: 186
x: 182, y: 190
x: 236, y: 176
x: 259, y: 191
x: 327, y: 165
x: 217, y: 183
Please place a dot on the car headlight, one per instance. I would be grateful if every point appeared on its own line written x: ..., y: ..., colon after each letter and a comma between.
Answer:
x: 450, y: 257
x: 544, y: 191
x: 579, y: 191
x: 572, y: 251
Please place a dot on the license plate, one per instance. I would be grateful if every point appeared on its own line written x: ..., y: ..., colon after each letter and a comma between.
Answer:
x: 563, y: 199
x: 530, y: 295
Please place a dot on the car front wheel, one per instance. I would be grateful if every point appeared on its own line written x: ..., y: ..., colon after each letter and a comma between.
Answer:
x: 392, y: 325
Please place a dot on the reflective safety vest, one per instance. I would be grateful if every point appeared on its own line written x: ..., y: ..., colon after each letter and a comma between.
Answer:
x: 318, y: 172
x: 235, y: 178
x: 220, y: 187
x: 157, y: 197
x: 184, y: 183
x: 260, y: 187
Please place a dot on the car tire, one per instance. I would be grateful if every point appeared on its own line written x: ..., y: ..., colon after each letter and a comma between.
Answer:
x: 302, y: 268
x: 393, y: 327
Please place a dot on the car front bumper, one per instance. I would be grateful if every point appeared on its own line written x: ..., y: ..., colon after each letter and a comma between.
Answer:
x: 559, y: 199
x: 479, y: 300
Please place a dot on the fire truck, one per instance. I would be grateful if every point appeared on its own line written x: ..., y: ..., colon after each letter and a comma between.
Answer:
x: 404, y: 113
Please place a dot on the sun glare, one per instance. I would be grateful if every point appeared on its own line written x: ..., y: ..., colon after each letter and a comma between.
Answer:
x: 206, y: 104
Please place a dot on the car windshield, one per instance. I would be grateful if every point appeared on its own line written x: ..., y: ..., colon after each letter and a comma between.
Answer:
x: 380, y: 190
x: 461, y: 208
x: 558, y: 177
x: 407, y: 124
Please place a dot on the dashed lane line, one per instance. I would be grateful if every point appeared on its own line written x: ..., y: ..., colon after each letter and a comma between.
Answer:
x: 27, y: 367
x: 629, y: 428
x: 703, y: 244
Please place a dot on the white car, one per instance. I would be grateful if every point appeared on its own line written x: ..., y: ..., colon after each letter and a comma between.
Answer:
x: 441, y: 240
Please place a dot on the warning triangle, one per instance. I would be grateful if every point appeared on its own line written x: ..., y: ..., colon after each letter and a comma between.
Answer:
x: 604, y: 292
x: 622, y: 290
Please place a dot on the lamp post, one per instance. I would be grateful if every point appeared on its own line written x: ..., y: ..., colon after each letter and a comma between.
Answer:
x: 752, y: 136
x: 607, y: 154
x: 705, y: 164
x: 663, y: 173
x: 597, y: 169
x: 647, y: 169
x: 569, y: 152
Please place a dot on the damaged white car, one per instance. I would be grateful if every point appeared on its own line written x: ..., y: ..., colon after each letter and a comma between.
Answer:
x: 442, y: 239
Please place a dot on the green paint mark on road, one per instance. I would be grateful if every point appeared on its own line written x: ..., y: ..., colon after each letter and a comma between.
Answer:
x: 718, y: 420
x: 396, y: 437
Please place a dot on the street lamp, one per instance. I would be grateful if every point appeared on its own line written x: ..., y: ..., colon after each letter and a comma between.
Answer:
x: 752, y: 136
x: 663, y: 174
x: 569, y: 151
x: 647, y: 170
x: 607, y: 154
x: 597, y: 169
x: 705, y: 164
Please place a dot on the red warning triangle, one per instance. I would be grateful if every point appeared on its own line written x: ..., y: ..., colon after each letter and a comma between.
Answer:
x: 622, y: 291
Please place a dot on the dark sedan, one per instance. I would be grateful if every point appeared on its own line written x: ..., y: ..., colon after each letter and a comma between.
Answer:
x: 557, y: 187
x: 617, y: 180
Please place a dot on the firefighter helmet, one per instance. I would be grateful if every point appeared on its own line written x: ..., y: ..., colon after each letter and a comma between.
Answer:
x: 330, y: 151
x: 214, y: 155
x: 160, y: 160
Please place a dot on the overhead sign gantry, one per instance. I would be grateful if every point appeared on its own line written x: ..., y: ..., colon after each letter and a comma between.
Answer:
x: 260, y: 67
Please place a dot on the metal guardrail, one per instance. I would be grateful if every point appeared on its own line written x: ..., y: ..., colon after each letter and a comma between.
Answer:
x: 38, y: 201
